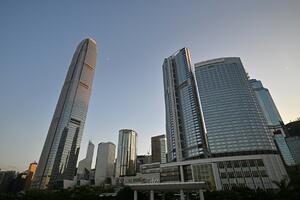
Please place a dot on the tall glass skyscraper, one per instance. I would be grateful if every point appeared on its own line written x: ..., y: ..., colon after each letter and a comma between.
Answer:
x: 233, y: 119
x: 126, y: 156
x: 273, y: 118
x: 185, y: 133
x: 60, y: 152
x: 266, y: 103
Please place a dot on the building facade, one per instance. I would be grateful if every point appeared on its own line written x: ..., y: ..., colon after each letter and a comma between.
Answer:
x: 252, y: 171
x: 85, y: 165
x: 283, y: 147
x: 234, y: 122
x: 104, y: 162
x: 30, y: 174
x: 186, y: 138
x: 141, y: 160
x: 6, y: 180
x: 126, y: 156
x: 273, y: 118
x: 159, y: 149
x: 266, y: 103
x: 222, y: 173
x: 60, y: 152
x: 294, y: 146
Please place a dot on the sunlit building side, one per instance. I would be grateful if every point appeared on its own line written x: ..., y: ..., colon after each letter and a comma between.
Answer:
x: 127, y: 153
x: 59, y: 156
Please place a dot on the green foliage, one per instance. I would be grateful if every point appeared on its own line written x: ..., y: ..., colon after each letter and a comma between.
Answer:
x: 287, y: 191
x: 4, y: 196
x: 239, y: 194
x: 125, y: 194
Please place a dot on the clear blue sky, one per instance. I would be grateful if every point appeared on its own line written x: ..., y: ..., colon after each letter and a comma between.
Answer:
x: 38, y: 39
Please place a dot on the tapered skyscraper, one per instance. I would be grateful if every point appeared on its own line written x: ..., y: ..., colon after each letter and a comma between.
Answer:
x: 185, y: 132
x: 59, y: 156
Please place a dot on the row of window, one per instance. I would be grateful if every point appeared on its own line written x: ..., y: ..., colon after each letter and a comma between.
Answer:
x: 241, y: 163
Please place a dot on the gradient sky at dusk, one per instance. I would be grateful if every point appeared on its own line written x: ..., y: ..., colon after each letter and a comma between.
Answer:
x: 38, y: 39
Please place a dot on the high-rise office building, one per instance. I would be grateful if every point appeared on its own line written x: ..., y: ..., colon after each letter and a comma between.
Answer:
x: 104, y: 162
x: 185, y: 133
x: 158, y: 149
x: 126, y: 156
x: 59, y: 156
x: 273, y: 118
x: 84, y: 166
x: 266, y: 103
x: 233, y: 119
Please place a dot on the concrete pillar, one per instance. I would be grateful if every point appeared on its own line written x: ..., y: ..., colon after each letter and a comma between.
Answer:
x: 187, y: 195
x: 181, y: 195
x: 181, y: 173
x: 151, y: 195
x: 201, y: 194
x: 135, y: 195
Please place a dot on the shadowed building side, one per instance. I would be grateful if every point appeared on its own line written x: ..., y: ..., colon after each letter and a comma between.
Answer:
x: 60, y: 152
x: 158, y: 149
x: 85, y: 165
x: 104, y: 169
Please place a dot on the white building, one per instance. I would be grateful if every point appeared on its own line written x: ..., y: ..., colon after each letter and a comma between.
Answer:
x: 223, y: 173
x: 104, y: 162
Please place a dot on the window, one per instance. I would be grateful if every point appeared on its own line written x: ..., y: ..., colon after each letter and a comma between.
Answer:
x: 221, y: 165
x: 223, y: 175
x: 252, y: 163
x: 260, y: 163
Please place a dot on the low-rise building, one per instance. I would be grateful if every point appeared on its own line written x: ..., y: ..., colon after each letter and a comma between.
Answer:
x: 222, y: 173
x: 141, y: 160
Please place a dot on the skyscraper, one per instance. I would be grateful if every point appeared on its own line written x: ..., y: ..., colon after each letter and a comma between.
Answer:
x: 126, y: 157
x: 104, y: 162
x: 185, y: 131
x: 84, y: 166
x: 158, y: 149
x: 60, y: 152
x: 233, y: 119
x: 266, y: 103
x: 273, y: 118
